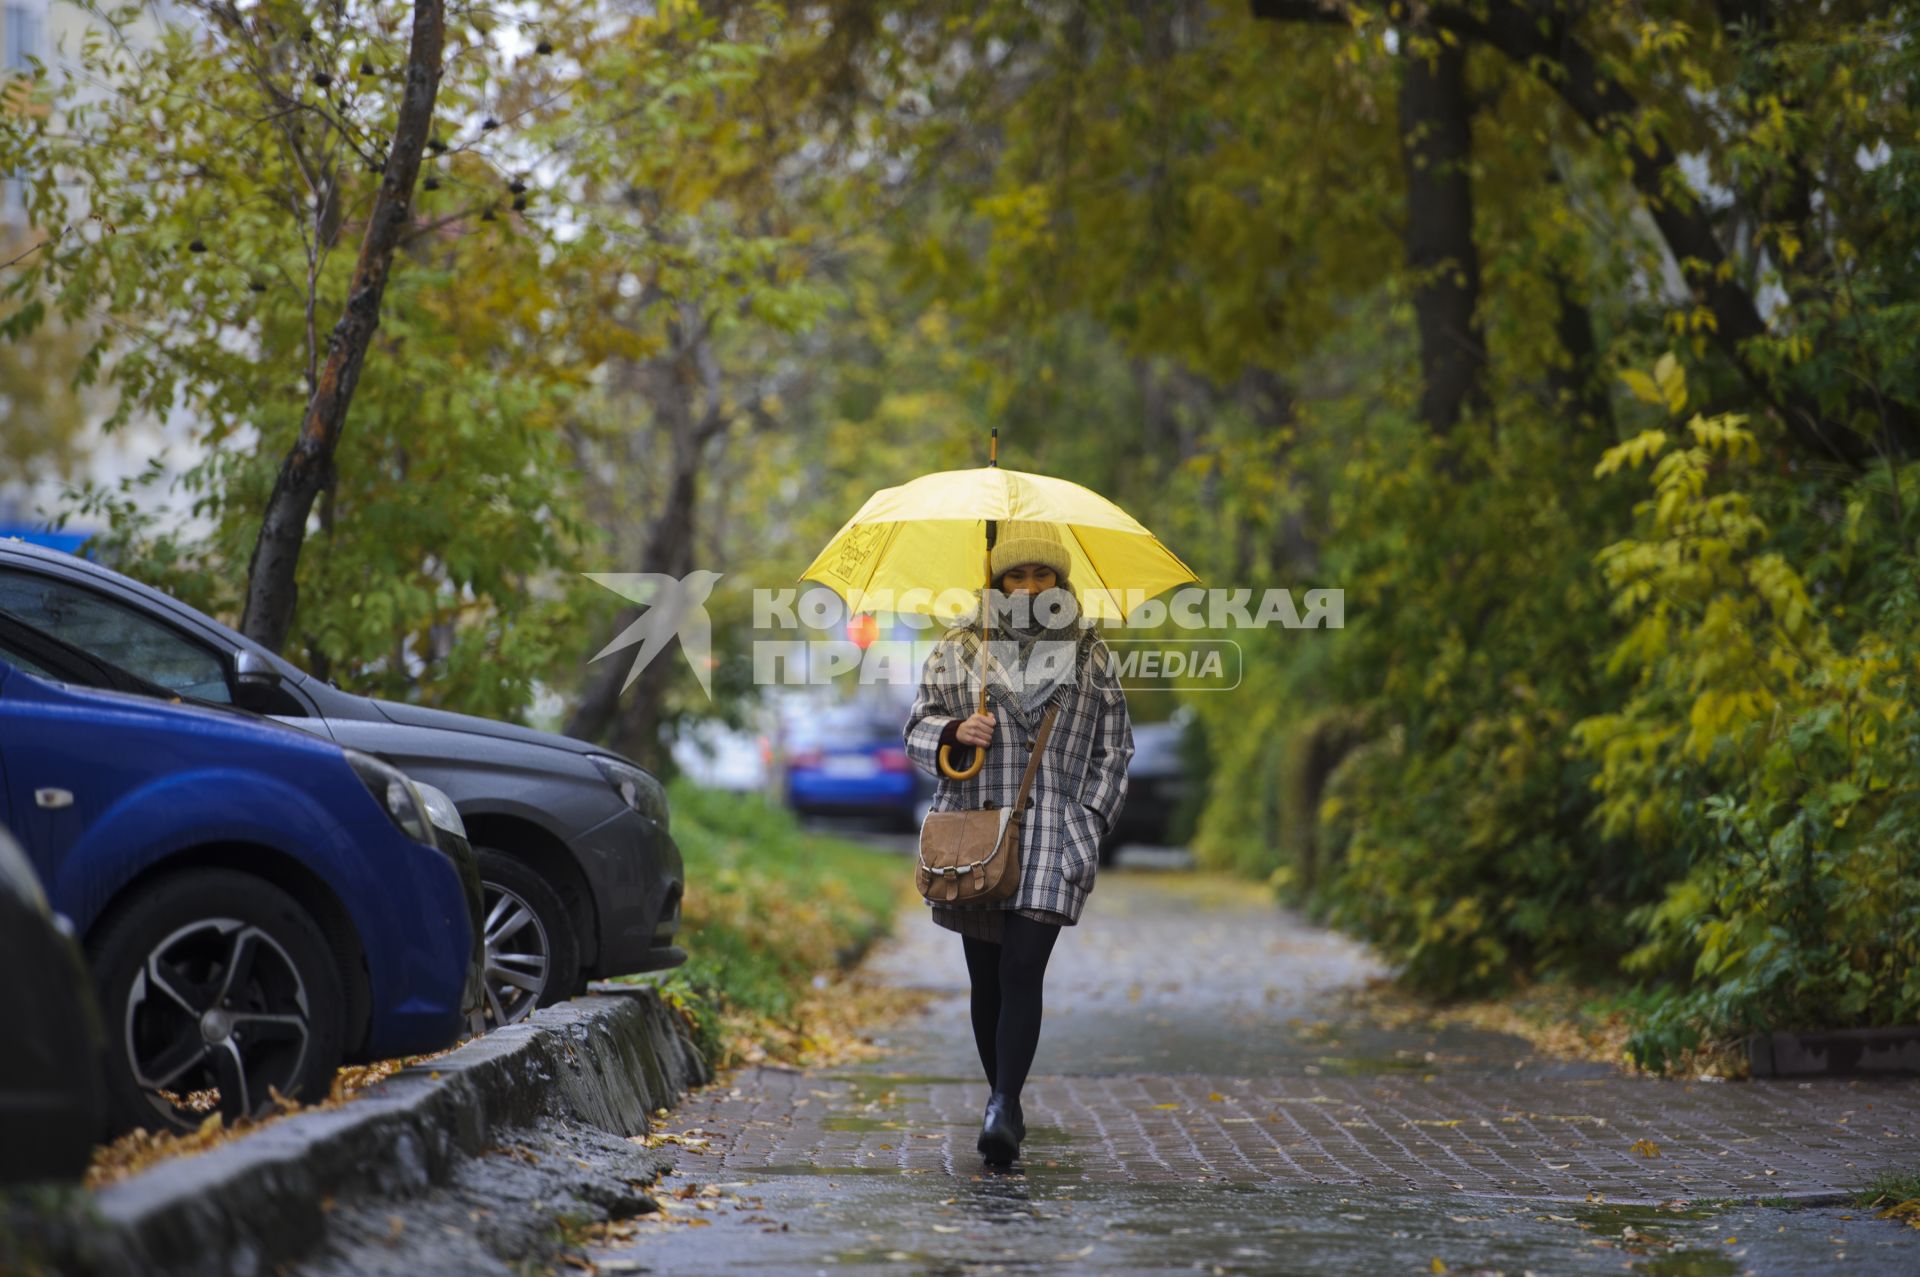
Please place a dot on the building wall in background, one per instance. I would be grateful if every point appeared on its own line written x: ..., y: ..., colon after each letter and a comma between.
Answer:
x: 49, y: 31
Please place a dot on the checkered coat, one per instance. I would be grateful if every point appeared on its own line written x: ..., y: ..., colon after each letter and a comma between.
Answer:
x: 1077, y: 791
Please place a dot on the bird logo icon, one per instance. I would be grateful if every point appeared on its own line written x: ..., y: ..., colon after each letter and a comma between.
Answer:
x: 676, y: 606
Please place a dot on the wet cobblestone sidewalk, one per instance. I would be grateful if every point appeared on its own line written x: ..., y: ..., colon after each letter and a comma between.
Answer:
x: 1198, y: 1080
x: 1621, y: 1140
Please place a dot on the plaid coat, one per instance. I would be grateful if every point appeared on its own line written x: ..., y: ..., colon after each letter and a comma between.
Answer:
x: 1077, y: 792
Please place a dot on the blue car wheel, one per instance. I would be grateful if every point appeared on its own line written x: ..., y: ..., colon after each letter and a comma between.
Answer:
x: 218, y: 992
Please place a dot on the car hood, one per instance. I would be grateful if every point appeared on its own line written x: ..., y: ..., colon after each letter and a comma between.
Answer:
x: 446, y: 720
x: 200, y: 717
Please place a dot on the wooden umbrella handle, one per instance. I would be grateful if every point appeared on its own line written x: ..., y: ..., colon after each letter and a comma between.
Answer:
x: 968, y: 772
x: 972, y: 769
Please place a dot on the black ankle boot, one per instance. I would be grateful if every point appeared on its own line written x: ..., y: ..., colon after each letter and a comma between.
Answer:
x: 999, y: 1135
x: 1014, y: 1114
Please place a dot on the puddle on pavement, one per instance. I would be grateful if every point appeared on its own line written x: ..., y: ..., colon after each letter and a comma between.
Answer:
x: 808, y: 1170
x: 857, y: 1122
x: 1687, y: 1263
x: 879, y: 1221
x: 1655, y: 1238
x: 876, y: 1083
x: 1368, y: 1066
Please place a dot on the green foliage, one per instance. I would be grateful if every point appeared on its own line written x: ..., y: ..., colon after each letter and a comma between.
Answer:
x: 577, y: 205
x: 1625, y: 684
x: 217, y: 189
x: 1460, y: 831
x: 1690, y: 749
x: 1776, y: 747
x: 769, y: 907
x: 40, y: 399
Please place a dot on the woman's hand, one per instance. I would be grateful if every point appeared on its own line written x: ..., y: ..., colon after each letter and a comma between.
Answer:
x: 977, y: 730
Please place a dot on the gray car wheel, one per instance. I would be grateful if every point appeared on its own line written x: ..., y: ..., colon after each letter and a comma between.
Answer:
x: 532, y: 957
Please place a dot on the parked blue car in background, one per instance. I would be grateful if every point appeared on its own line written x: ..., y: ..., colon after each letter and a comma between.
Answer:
x: 846, y: 760
x: 257, y: 905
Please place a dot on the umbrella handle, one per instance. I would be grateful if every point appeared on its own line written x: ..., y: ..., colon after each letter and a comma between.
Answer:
x: 972, y: 769
x: 968, y: 772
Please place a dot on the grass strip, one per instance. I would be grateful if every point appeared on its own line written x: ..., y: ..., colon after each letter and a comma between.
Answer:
x: 775, y: 917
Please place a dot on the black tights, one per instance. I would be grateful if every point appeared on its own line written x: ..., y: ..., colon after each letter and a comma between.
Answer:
x: 1006, y: 998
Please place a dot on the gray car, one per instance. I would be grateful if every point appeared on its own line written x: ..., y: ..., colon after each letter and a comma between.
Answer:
x: 580, y: 874
x: 1159, y: 782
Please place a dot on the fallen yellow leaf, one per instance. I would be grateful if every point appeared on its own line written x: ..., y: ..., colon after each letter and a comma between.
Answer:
x: 1908, y: 1211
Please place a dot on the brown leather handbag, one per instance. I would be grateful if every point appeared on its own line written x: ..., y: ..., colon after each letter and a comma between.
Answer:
x: 973, y: 857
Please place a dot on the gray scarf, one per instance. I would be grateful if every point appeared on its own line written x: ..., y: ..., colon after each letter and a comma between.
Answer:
x: 1029, y: 664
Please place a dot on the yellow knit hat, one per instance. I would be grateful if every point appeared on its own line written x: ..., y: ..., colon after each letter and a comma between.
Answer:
x: 1029, y: 541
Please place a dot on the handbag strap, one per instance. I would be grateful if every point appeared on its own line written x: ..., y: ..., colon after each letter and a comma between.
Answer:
x: 951, y: 873
x: 1033, y: 759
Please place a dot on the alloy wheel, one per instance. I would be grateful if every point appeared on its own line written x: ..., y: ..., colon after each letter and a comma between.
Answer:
x: 517, y: 955
x: 217, y: 1007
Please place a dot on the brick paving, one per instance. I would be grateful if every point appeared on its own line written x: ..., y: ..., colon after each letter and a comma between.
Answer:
x: 1205, y: 1100
x: 1479, y: 1116
x: 1540, y: 1137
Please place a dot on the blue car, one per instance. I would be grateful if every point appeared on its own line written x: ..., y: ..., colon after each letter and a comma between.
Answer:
x: 846, y: 760
x: 257, y: 905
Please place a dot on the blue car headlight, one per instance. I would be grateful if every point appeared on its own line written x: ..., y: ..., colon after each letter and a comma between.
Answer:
x: 637, y: 789
x: 395, y: 793
x: 441, y: 812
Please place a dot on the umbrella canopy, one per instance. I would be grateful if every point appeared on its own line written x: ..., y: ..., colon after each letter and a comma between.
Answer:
x: 931, y: 535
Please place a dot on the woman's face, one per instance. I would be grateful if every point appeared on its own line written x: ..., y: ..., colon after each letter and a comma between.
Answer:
x: 1028, y: 578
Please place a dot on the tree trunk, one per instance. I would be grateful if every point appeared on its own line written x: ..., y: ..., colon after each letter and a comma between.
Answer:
x: 673, y: 386
x: 308, y: 466
x: 1540, y: 39
x: 1537, y: 39
x: 1436, y: 136
x: 1577, y: 387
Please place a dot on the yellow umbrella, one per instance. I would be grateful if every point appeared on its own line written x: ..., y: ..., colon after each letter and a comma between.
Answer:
x: 932, y: 535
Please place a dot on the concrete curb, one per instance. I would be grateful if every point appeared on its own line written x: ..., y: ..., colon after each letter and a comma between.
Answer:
x: 608, y: 1060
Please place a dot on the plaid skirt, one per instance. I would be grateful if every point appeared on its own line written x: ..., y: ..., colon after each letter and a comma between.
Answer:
x: 989, y: 922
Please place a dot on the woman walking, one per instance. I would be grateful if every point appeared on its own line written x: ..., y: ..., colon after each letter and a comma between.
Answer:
x: 1042, y: 655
